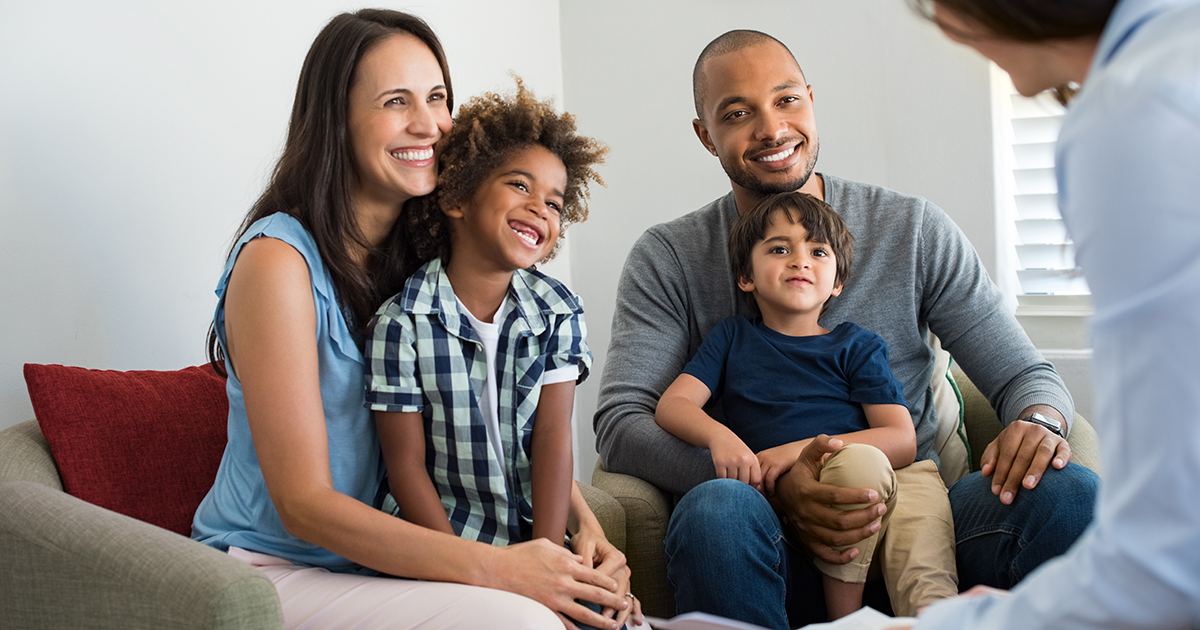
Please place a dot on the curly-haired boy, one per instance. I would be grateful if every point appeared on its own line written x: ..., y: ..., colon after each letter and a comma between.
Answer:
x: 472, y: 367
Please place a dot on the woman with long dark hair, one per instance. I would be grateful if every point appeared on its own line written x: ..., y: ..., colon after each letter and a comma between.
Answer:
x: 317, y: 254
x: 1128, y: 161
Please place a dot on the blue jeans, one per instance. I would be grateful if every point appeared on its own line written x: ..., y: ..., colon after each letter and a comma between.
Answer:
x: 727, y: 554
x: 998, y: 545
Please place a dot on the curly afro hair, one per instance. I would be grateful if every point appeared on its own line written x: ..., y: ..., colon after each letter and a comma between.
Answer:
x: 487, y: 131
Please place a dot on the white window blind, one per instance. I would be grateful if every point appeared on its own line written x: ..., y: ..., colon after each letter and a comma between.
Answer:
x: 1044, y: 258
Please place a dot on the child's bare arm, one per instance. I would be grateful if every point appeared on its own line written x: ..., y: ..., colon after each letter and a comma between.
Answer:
x: 551, y: 461
x: 681, y: 413
x: 402, y: 439
x: 891, y: 432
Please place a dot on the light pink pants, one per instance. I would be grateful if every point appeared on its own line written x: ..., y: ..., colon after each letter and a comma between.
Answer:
x: 316, y: 598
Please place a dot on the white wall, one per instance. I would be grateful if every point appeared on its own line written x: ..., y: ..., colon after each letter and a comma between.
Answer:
x: 896, y: 105
x: 134, y: 135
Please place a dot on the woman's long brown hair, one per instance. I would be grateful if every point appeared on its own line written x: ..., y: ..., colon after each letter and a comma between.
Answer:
x: 315, y: 175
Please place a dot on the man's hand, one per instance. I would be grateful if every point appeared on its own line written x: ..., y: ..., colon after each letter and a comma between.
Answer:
x: 811, y: 506
x: 734, y: 460
x: 1018, y: 457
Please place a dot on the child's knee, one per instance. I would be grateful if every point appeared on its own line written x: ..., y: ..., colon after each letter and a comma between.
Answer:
x: 860, y: 466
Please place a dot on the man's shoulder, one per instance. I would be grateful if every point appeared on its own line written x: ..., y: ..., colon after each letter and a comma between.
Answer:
x: 871, y: 209
x: 693, y: 243
x: 850, y: 194
x: 713, y: 217
x: 851, y: 334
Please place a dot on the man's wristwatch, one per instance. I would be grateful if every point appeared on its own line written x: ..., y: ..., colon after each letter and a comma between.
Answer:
x: 1050, y: 423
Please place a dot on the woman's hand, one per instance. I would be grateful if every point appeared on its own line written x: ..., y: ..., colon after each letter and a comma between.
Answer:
x: 554, y: 577
x: 593, y: 547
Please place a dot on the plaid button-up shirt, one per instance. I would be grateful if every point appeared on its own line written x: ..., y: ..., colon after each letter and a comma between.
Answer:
x: 423, y: 356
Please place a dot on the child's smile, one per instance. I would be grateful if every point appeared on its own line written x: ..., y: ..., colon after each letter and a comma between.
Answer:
x: 529, y: 233
x: 512, y: 221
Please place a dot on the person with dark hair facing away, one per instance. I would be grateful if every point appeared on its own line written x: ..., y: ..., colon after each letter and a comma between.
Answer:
x: 915, y: 273
x: 783, y: 380
x: 472, y: 367
x: 1127, y: 163
x: 325, y: 244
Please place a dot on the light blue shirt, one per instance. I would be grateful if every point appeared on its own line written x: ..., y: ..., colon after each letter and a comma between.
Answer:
x: 1129, y: 187
x: 238, y: 510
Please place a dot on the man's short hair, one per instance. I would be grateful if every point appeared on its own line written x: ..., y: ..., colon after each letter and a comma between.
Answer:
x: 729, y: 42
x: 818, y: 218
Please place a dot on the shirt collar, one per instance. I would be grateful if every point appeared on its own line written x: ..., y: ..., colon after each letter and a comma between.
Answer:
x: 536, y: 297
x: 1127, y: 17
x: 533, y: 295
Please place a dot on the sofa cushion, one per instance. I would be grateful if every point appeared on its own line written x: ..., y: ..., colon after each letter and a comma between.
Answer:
x: 145, y: 444
x: 953, y: 449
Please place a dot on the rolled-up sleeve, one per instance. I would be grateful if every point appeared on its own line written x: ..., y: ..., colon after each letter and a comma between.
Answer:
x: 392, y: 381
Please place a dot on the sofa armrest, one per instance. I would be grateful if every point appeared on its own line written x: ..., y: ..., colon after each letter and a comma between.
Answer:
x: 25, y: 456
x: 608, y: 512
x: 647, y: 512
x: 983, y: 426
x: 71, y: 564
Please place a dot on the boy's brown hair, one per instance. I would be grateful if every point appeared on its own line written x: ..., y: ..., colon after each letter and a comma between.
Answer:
x: 818, y: 218
x: 487, y: 131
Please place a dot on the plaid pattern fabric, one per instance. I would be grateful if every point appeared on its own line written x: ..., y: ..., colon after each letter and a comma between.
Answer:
x: 423, y: 356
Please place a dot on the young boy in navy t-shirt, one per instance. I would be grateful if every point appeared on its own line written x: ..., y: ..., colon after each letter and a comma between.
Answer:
x: 783, y: 379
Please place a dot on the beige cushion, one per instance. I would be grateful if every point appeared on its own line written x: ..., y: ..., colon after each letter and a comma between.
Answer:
x: 954, y: 452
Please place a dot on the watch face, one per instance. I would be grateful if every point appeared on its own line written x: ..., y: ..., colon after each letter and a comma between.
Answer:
x: 1049, y: 423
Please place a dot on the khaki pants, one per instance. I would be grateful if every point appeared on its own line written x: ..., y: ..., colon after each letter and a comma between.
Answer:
x: 916, y: 541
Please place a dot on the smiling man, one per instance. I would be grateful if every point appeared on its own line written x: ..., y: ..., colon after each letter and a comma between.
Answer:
x: 728, y: 551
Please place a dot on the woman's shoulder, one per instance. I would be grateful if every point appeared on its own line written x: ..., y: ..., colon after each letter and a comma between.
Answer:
x: 270, y: 256
x: 283, y: 227
x: 276, y: 246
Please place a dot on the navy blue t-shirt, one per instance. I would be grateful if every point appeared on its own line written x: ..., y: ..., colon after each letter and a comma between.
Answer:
x: 775, y: 389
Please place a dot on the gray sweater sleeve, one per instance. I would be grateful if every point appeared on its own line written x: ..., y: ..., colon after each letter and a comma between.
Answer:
x: 966, y: 311
x: 650, y: 344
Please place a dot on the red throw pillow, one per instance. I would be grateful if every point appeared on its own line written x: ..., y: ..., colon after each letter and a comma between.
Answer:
x: 145, y: 444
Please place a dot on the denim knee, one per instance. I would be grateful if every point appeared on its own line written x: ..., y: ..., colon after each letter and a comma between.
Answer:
x: 998, y: 545
x: 1063, y: 498
x: 721, y: 514
x: 726, y: 555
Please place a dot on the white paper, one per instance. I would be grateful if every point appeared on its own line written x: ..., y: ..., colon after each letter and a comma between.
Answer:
x: 864, y: 619
x: 700, y: 621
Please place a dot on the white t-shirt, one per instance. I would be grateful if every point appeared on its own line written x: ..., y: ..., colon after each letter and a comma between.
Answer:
x: 489, y: 402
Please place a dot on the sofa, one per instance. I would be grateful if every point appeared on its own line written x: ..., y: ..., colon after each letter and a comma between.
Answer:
x: 96, y: 498
x: 647, y: 509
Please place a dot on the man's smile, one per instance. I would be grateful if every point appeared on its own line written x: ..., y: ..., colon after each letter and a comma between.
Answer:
x: 778, y: 156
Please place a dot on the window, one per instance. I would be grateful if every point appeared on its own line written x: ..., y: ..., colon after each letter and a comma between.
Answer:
x: 1035, y: 246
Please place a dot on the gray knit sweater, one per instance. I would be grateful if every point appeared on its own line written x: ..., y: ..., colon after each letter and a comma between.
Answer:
x: 914, y: 271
